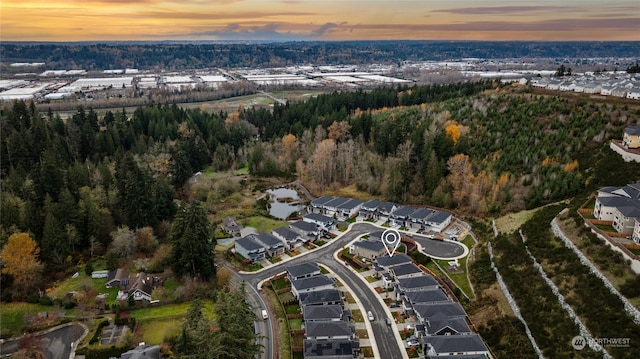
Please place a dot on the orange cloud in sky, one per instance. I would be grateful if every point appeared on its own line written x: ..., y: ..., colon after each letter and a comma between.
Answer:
x: 104, y: 20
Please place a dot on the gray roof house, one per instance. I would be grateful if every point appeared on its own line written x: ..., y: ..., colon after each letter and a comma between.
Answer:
x: 250, y: 249
x: 400, y: 216
x: 426, y: 312
x: 331, y: 207
x: 621, y: 205
x: 320, y: 297
x: 328, y: 330
x: 427, y: 296
x: 387, y: 262
x: 442, y: 325
x: 438, y: 345
x: 405, y: 270
x: 421, y: 282
x: 273, y: 245
x: 308, y: 231
x: 323, y: 313
x: 318, y: 203
x: 330, y: 349
x: 369, y: 209
x: 304, y: 270
x: 368, y: 248
x: 230, y: 226
x: 438, y: 220
x: 291, y: 238
x: 349, y: 208
x: 311, y: 284
x: 322, y: 221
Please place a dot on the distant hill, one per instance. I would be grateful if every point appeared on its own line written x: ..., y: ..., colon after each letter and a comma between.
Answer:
x: 190, y: 55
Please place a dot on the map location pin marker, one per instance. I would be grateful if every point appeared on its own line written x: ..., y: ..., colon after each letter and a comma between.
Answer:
x: 391, y: 240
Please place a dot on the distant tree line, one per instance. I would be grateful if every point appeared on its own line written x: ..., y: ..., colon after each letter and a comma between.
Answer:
x: 177, y: 56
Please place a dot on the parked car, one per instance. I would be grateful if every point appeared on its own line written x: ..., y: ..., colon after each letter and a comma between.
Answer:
x: 388, y: 322
x: 413, y: 343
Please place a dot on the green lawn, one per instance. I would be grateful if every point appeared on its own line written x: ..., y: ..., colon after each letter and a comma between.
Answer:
x: 171, y: 284
x: 280, y: 283
x: 356, y: 314
x: 295, y: 323
x: 263, y: 224
x: 82, y: 283
x: 461, y: 280
x: 12, y: 316
x: 371, y: 279
x: 169, y: 310
x: 155, y: 331
x: 292, y: 309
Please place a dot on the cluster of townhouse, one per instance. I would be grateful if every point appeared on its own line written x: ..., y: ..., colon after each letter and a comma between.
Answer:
x: 326, y: 321
x: 620, y: 206
x: 256, y: 247
x: 443, y: 328
x: 617, y: 84
x: 424, y: 219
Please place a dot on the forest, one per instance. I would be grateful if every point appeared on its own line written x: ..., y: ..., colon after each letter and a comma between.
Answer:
x: 179, y: 56
x: 474, y: 147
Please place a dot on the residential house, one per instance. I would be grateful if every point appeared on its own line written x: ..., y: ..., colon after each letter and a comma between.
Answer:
x: 308, y: 231
x: 273, y: 245
x: 634, y: 93
x: 317, y: 205
x: 400, y: 216
x: 405, y: 270
x: 426, y: 296
x: 142, y: 351
x: 250, y: 249
x: 419, y: 217
x: 304, y: 270
x: 592, y: 87
x: 331, y: 207
x: 444, y: 345
x: 368, y: 249
x: 620, y: 205
x: 321, y: 221
x: 328, y: 330
x: 619, y: 91
x: 349, y: 208
x: 311, y: 284
x: 330, y: 349
x: 443, y: 325
x: 636, y: 231
x: 386, y: 262
x: 320, y: 297
x: 369, y: 209
x: 292, y: 239
x: 118, y: 278
x: 438, y: 220
x: 417, y: 283
x: 631, y: 137
x: 553, y: 85
x: 323, y: 313
x: 230, y: 226
x: 426, y: 312
x: 142, y: 287
x: 386, y: 208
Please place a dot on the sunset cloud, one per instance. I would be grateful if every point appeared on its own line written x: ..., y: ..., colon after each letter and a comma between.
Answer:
x: 331, y: 20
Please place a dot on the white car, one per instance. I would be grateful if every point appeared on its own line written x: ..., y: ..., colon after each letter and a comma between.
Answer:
x: 370, y: 316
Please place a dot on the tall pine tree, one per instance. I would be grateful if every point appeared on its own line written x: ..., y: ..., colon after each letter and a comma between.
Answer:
x: 192, y: 243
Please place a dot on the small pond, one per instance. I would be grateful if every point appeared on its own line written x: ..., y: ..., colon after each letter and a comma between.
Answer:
x: 283, y: 202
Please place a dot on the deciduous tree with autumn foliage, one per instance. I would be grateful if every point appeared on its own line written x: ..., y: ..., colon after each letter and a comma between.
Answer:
x: 20, y: 261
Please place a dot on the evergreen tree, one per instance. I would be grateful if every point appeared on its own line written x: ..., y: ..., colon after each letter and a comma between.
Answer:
x: 192, y: 245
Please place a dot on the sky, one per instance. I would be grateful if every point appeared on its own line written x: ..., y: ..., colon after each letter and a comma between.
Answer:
x: 324, y: 20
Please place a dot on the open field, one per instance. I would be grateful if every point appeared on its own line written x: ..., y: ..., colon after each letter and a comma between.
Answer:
x: 12, y: 316
x: 157, y: 323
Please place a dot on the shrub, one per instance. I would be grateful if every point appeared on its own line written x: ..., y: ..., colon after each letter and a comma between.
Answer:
x: 33, y: 298
x: 68, y: 304
x: 88, y: 269
x: 44, y: 300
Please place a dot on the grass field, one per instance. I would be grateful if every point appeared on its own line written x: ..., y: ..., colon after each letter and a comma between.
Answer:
x: 263, y: 224
x: 12, y: 316
x: 157, y: 323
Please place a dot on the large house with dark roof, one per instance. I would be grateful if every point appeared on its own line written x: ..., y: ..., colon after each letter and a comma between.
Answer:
x: 311, y: 284
x: 291, y: 238
x: 368, y: 249
x: 321, y: 221
x: 303, y: 270
x: 620, y: 205
x: 273, y: 246
x: 323, y: 313
x: 442, y: 345
x: 328, y: 330
x: 331, y: 348
x: 321, y: 297
x: 308, y: 231
x: 250, y: 249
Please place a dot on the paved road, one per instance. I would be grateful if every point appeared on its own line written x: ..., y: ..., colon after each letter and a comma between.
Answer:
x: 384, y: 336
x: 56, y: 343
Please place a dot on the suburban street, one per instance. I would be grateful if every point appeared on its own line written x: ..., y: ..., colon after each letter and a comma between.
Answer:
x: 384, y: 336
x: 57, y: 343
